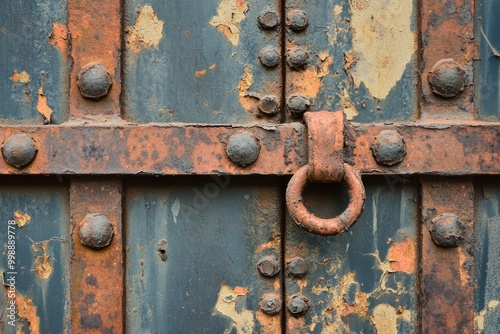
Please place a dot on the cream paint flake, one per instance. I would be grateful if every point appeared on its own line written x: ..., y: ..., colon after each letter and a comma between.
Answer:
x: 385, y: 317
x: 230, y: 13
x: 382, y: 42
x: 480, y: 318
x: 146, y: 32
x: 227, y: 300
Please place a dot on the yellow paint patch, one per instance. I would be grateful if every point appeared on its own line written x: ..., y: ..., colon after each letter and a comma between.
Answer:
x: 382, y: 41
x: 43, y: 267
x: 59, y: 37
x: 203, y: 72
x: 27, y: 310
x: 230, y: 13
x: 23, y: 77
x: 21, y: 219
x: 306, y: 82
x: 348, y: 106
x: 402, y: 256
x: 479, y: 319
x: 246, y: 100
x: 146, y: 32
x: 385, y: 317
x: 243, y: 319
x: 42, y: 106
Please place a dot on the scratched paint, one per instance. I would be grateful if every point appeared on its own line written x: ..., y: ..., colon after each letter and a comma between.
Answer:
x: 146, y: 32
x: 230, y: 13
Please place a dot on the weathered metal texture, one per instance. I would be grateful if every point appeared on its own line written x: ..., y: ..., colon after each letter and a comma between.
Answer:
x: 34, y: 66
x: 97, y: 276
x: 95, y: 37
x: 199, y: 61
x: 447, y: 32
x: 487, y: 259
x: 212, y: 233
x: 447, y: 274
x: 364, y: 281
x: 487, y: 92
x: 42, y: 245
x: 362, y: 58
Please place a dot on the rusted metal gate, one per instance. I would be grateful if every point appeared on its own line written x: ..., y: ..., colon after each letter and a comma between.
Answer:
x: 148, y: 148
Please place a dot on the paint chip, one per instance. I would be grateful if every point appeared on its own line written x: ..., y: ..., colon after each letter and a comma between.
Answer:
x: 402, y: 256
x: 43, y: 267
x: 385, y: 317
x: 146, y: 32
x: 231, y: 303
x: 27, y: 310
x: 203, y: 72
x: 59, y: 37
x: 42, y: 105
x: 21, y: 219
x: 247, y: 100
x: 22, y: 77
x: 176, y: 207
x: 230, y: 13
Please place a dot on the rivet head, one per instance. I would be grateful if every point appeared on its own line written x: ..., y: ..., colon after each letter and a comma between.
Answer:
x: 270, y: 303
x: 297, y: 58
x: 95, y: 231
x: 447, y: 78
x: 297, y: 105
x: 298, y: 305
x: 94, y: 81
x: 269, y: 56
x: 268, y: 266
x: 268, y: 19
x: 296, y: 20
x: 243, y: 148
x: 269, y: 105
x: 297, y: 267
x: 19, y: 150
x: 446, y: 230
x: 388, y: 148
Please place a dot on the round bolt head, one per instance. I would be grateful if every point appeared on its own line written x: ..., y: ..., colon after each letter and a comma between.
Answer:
x: 297, y: 267
x: 298, y: 305
x: 268, y: 19
x: 270, y: 303
x: 19, y: 150
x: 94, y: 81
x: 447, y: 230
x: 269, y: 56
x: 297, y: 105
x: 243, y: 148
x: 95, y: 231
x: 447, y: 78
x: 269, y: 105
x: 297, y: 58
x: 388, y: 148
x: 297, y: 20
x: 268, y: 266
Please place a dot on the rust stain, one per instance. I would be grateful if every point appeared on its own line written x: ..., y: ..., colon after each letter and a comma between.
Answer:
x: 203, y: 72
x: 463, y: 271
x: 270, y: 324
x: 21, y: 219
x: 146, y: 32
x: 59, y: 37
x: 480, y: 318
x: 27, y: 310
x: 385, y: 318
x: 42, y: 106
x: 306, y: 82
x: 43, y: 267
x: 383, y: 43
x: 402, y: 256
x: 230, y: 13
x: 231, y: 303
x: 273, y: 243
x: 246, y: 99
x: 23, y: 77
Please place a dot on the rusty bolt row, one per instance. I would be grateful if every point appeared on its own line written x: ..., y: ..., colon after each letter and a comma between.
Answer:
x: 269, y: 266
x: 296, y: 20
x: 297, y: 305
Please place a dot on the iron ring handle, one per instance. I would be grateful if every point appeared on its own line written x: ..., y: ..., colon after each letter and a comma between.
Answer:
x: 321, y: 226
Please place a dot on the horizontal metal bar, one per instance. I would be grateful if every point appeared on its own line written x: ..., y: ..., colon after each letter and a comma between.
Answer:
x: 184, y: 149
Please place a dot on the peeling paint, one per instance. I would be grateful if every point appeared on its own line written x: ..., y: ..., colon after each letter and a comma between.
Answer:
x: 231, y: 303
x: 27, y: 310
x: 385, y: 318
x: 201, y: 73
x: 42, y: 106
x: 60, y: 37
x: 230, y: 13
x: 146, y: 32
x: 176, y: 207
x: 42, y: 266
x: 21, y: 219
x: 248, y: 101
x: 402, y: 256
x: 23, y: 77
x: 324, y: 62
x: 383, y: 43
x: 348, y: 106
x: 480, y: 318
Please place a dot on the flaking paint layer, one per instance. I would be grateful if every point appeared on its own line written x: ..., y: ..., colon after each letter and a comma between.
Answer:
x: 231, y: 303
x: 230, y: 13
x: 21, y: 219
x: 146, y: 32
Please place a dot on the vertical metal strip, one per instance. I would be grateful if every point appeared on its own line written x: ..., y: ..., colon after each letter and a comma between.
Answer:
x: 95, y: 29
x: 97, y: 275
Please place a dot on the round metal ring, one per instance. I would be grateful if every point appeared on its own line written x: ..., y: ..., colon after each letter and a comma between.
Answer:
x: 321, y: 226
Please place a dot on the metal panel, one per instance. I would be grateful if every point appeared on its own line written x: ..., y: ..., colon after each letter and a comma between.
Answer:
x: 42, y: 246
x: 192, y: 248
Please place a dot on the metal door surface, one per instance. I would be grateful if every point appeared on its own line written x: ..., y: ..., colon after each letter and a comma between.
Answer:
x: 250, y: 166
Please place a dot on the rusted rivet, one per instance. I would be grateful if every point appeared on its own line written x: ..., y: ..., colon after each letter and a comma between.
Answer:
x: 297, y: 267
x: 388, y: 148
x: 19, y: 150
x: 296, y: 20
x: 268, y: 266
x: 95, y: 230
x: 446, y: 230
x: 297, y: 58
x: 243, y: 148
x: 94, y: 81
x: 268, y: 19
x: 297, y: 105
x: 270, y: 303
x: 269, y: 105
x: 447, y: 78
x: 269, y: 56
x: 298, y: 305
